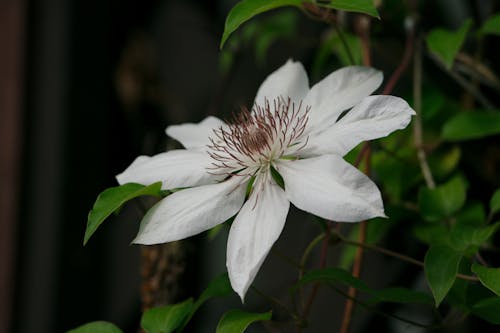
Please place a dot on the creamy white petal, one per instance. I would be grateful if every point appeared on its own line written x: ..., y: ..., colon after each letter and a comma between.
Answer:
x: 175, y: 168
x: 192, y: 135
x: 331, y: 188
x: 374, y: 117
x: 254, y: 231
x: 191, y: 211
x: 340, y: 91
x: 290, y: 80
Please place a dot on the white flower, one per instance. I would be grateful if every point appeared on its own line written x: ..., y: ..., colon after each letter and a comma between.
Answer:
x: 301, y: 133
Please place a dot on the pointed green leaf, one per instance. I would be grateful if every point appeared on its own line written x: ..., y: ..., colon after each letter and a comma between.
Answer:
x: 357, y: 6
x: 441, y: 267
x: 96, y: 327
x: 246, y: 9
x: 218, y: 287
x: 445, y: 44
x: 495, y: 202
x: 491, y: 26
x: 166, y: 319
x: 112, y: 199
x: 236, y: 321
x: 442, y: 201
x: 471, y: 125
x: 489, y: 277
x: 488, y: 309
x: 465, y: 236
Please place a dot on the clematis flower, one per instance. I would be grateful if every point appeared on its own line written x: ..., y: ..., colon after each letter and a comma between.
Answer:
x: 292, y: 131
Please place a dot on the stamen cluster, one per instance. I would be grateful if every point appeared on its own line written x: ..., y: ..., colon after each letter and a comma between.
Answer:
x: 257, y: 137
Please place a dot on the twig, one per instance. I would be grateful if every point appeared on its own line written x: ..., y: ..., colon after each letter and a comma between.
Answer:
x: 397, y: 255
x: 417, y: 124
x: 466, y: 85
x: 322, y: 264
x: 403, y: 65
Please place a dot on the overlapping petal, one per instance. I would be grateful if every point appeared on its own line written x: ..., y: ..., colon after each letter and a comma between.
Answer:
x: 254, y: 231
x: 374, y: 117
x: 191, y: 211
x: 329, y: 187
x: 175, y: 168
x: 192, y: 135
x: 338, y: 92
x: 290, y: 80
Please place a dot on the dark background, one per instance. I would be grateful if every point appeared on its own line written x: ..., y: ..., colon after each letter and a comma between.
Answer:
x: 86, y: 86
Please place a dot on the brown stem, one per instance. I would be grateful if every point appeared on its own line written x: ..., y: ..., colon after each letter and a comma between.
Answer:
x: 403, y: 65
x: 322, y: 264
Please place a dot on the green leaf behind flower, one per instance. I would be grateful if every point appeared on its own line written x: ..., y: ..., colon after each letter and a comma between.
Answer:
x: 444, y: 200
x: 96, y: 327
x: 489, y: 277
x: 357, y: 6
x: 111, y: 199
x: 471, y: 125
x: 445, y: 44
x: 246, y: 9
x: 441, y: 267
x: 491, y: 26
x: 166, y: 319
x: 236, y: 321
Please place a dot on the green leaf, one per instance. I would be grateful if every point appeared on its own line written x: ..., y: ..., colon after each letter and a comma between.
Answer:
x: 236, y: 321
x: 166, y: 319
x: 441, y: 267
x: 442, y: 201
x: 488, y: 309
x: 443, y: 164
x: 491, y: 26
x: 111, y: 199
x: 357, y: 6
x: 218, y: 287
x: 96, y: 327
x: 246, y: 9
x: 401, y: 295
x: 489, y: 277
x: 471, y: 125
x: 495, y: 202
x: 432, y: 234
x: 466, y: 236
x: 445, y: 44
x: 472, y: 214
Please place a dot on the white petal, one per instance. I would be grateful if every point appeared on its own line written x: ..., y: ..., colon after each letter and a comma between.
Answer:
x: 254, y: 231
x: 195, y: 135
x: 340, y: 91
x: 175, y: 168
x: 374, y: 117
x: 331, y: 188
x: 290, y: 80
x: 191, y: 211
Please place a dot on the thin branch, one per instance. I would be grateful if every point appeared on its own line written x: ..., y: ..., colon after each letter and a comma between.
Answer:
x: 466, y: 85
x: 380, y: 313
x: 397, y: 255
x: 417, y: 123
x: 407, y: 55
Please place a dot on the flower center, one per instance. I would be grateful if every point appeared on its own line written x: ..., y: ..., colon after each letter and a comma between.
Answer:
x: 257, y: 137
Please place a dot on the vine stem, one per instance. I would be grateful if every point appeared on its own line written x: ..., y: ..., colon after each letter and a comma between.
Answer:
x: 417, y: 124
x: 363, y: 30
x: 397, y: 255
x: 322, y: 264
